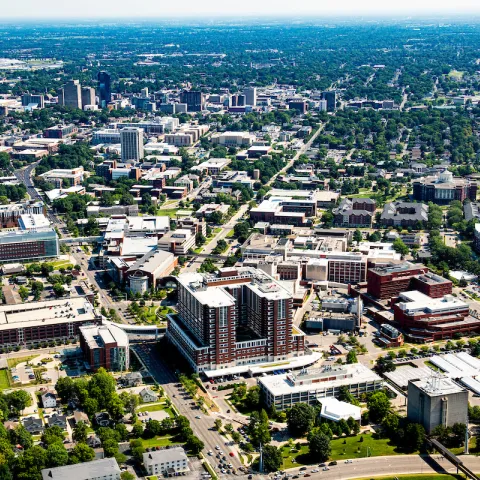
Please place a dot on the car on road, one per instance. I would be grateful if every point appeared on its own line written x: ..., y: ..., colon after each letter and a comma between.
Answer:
x: 333, y: 463
x: 217, y: 447
x: 315, y: 470
x: 325, y: 469
x: 303, y: 468
x: 349, y: 461
x: 198, y: 417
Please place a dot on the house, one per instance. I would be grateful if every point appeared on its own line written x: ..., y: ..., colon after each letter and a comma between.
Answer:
x: 102, y: 419
x: 9, y: 425
x: 58, y: 421
x: 80, y: 417
x: 33, y: 425
x: 148, y: 395
x: 49, y: 400
x: 171, y: 462
x: 94, y: 441
x: 132, y: 379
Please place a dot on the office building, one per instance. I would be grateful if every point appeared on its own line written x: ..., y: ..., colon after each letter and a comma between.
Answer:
x: 104, y: 89
x: 72, y: 94
x: 75, y: 176
x: 105, y: 346
x: 32, y: 323
x: 436, y: 401
x: 444, y: 188
x: 178, y: 242
x: 60, y: 131
x: 250, y: 96
x: 103, y: 469
x: 29, y: 99
x: 429, y: 319
x: 28, y: 245
x: 131, y: 140
x: 232, y: 139
x: 169, y: 462
x: 298, y: 104
x: 88, y: 96
x: 148, y: 270
x: 354, y: 212
x: 195, y: 100
x: 331, y: 98
x: 390, y: 281
x: 106, y: 136
x: 235, y: 318
x: 322, y: 105
x: 311, y: 385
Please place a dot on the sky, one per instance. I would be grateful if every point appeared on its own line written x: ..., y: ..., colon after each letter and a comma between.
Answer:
x: 84, y: 9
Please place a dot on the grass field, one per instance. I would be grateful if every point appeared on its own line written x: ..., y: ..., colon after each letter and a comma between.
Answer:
x: 170, y: 212
x: 153, y: 407
x: 4, y: 380
x: 13, y: 362
x: 353, y: 448
x: 159, y: 442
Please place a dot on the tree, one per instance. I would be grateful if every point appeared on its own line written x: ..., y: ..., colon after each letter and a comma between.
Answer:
x: 229, y: 428
x: 390, y: 424
x: 415, y: 437
x: 194, y: 444
x: 357, y: 236
x: 80, y: 431
x: 21, y: 436
x: 19, y: 400
x: 57, y: 455
x: 385, y: 364
x: 137, y: 430
x: 58, y: 290
x: 90, y: 406
x: 23, y: 292
x: 253, y: 397
x: 82, y: 453
x: 300, y: 419
x: 272, y: 458
x: 121, y: 429
x: 319, y: 446
x: 218, y: 423
x: 65, y: 388
x: 352, y: 357
x: 53, y: 434
x: 153, y: 428
x: 127, y: 476
x: 400, y: 247
x: 29, y: 464
x: 378, y: 406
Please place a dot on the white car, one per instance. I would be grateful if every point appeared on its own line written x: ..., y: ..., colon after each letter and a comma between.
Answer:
x: 198, y: 417
x: 217, y: 447
x: 315, y: 470
x: 210, y: 452
x: 325, y: 469
x: 348, y: 461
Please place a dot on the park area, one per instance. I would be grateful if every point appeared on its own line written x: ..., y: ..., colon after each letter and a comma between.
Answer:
x: 342, y: 448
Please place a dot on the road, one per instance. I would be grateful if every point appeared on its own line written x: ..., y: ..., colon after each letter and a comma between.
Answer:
x: 302, y: 150
x: 203, y: 427
x: 226, y: 229
x: 392, y: 465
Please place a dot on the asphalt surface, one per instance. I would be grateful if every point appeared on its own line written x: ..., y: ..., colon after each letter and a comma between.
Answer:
x: 203, y: 427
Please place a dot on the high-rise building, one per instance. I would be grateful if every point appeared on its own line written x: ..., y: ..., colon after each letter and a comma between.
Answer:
x: 250, y: 96
x: 131, y: 140
x: 322, y: 105
x: 237, y: 317
x: 72, y: 94
x: 104, y: 87
x: 28, y: 99
x: 331, y: 98
x: 88, y: 96
x: 195, y: 100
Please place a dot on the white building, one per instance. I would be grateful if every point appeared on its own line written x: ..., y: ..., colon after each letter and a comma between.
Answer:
x: 131, y: 140
x: 106, y: 136
x: 335, y: 410
x: 311, y: 385
x: 104, y: 469
x: 233, y: 139
x: 171, y: 461
x: 49, y: 400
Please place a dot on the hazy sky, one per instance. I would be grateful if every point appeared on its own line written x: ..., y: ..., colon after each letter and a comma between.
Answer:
x: 27, y: 9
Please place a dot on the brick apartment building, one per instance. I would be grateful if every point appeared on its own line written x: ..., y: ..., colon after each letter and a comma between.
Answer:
x: 233, y: 318
x: 354, y: 212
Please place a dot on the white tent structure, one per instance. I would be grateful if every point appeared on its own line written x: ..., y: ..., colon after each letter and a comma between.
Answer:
x: 335, y: 410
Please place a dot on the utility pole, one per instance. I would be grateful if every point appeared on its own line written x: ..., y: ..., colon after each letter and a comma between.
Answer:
x: 467, y: 438
x: 260, y: 463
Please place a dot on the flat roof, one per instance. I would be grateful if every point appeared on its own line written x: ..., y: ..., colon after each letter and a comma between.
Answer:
x: 69, y: 310
x: 436, y: 386
x: 335, y: 410
x: 96, y: 336
x: 346, y: 375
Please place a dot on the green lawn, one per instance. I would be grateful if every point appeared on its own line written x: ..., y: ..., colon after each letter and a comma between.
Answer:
x: 159, y: 442
x: 170, y: 212
x: 352, y: 449
x: 152, y: 407
x: 4, y: 380
x: 230, y: 234
x: 13, y: 362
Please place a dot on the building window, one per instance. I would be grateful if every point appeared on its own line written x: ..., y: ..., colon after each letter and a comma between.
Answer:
x: 281, y: 308
x: 223, y: 316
